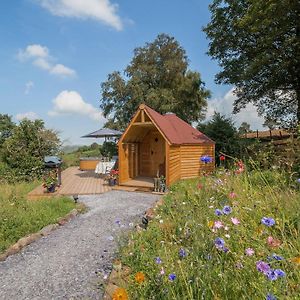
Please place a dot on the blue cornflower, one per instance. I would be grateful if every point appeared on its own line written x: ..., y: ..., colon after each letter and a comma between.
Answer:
x: 206, y: 159
x: 182, y: 253
x: 270, y: 297
x: 158, y: 260
x: 219, y: 243
x: 227, y: 210
x: 277, y: 257
x: 172, y: 277
x: 272, y: 275
x: 218, y: 212
x: 279, y: 273
x: 268, y: 221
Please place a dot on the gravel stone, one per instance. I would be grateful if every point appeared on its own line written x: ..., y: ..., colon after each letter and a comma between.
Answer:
x: 71, y: 261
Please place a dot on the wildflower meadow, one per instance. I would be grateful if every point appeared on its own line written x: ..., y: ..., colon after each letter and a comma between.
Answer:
x: 225, y: 236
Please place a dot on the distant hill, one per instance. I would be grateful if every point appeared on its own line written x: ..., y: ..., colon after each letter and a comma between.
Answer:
x: 70, y: 148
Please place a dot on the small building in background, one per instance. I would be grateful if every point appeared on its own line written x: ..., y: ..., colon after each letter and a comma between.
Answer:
x: 155, y: 145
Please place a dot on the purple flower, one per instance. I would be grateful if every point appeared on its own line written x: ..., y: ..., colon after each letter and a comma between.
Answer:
x: 263, y: 267
x: 172, y: 277
x: 227, y: 210
x: 277, y: 257
x: 298, y: 180
x: 225, y: 249
x: 218, y: 212
x: 158, y: 260
x: 118, y: 222
x: 270, y: 297
x: 279, y: 273
x: 219, y: 243
x: 268, y: 221
x: 272, y: 275
x: 249, y: 252
x: 182, y: 253
x: 206, y: 159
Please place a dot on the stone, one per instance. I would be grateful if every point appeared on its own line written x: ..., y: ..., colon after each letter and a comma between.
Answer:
x: 159, y: 202
x: 47, y: 229
x: 150, y: 213
x: 3, y: 256
x: 110, y: 289
x: 13, y: 249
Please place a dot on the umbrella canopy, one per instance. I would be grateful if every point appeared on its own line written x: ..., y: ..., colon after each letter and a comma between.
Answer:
x: 103, y: 133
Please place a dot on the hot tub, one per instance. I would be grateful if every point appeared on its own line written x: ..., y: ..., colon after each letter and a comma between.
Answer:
x: 88, y: 163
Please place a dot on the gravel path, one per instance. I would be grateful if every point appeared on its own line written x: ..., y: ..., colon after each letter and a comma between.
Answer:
x: 66, y: 264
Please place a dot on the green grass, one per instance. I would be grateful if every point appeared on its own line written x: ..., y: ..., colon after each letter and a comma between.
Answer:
x: 20, y: 217
x: 186, y: 221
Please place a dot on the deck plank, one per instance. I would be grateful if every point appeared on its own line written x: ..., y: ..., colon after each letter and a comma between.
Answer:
x: 74, y: 182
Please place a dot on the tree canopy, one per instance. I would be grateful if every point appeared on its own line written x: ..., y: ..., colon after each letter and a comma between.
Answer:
x: 256, y: 43
x: 158, y: 76
x: 222, y: 130
x: 6, y: 127
x: 25, y: 149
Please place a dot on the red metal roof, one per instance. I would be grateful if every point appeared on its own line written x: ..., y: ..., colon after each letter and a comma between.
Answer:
x: 176, y: 130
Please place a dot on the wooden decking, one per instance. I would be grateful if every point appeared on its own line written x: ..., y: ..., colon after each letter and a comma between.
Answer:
x: 74, y: 182
x: 140, y: 181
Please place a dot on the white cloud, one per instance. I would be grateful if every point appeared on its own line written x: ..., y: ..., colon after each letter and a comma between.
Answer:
x: 33, y: 51
x: 30, y: 115
x: 224, y: 106
x: 99, y: 10
x: 71, y: 102
x: 40, y: 57
x: 62, y: 70
x: 28, y: 86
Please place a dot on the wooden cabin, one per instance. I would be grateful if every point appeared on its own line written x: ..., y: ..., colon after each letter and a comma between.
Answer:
x: 155, y: 145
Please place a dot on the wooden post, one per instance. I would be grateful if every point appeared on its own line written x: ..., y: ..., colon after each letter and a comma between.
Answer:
x: 142, y: 116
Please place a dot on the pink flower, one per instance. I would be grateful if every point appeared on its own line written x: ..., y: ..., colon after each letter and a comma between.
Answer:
x: 249, y: 252
x: 232, y: 195
x: 218, y: 224
x: 235, y: 221
x: 273, y: 242
x: 162, y: 271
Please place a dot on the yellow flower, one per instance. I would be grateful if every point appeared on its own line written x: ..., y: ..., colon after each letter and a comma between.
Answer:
x: 139, y: 277
x: 296, y: 260
x: 120, y: 294
x: 210, y: 224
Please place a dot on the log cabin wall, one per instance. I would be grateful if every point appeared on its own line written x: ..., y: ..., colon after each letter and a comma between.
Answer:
x: 191, y: 166
x: 174, y: 163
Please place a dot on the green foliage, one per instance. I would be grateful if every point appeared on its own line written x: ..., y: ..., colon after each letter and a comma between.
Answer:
x: 25, y: 149
x: 109, y: 149
x: 73, y: 158
x: 20, y: 217
x: 223, y: 132
x: 158, y: 76
x: 186, y: 221
x: 6, y: 127
x: 257, y: 46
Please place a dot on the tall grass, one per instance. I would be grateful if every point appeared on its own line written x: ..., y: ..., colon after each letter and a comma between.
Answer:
x: 20, y: 217
x: 181, y: 241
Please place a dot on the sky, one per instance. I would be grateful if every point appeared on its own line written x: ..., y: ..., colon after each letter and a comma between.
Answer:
x: 54, y: 54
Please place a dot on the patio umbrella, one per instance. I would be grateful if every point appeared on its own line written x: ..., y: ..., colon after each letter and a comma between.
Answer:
x: 103, y: 133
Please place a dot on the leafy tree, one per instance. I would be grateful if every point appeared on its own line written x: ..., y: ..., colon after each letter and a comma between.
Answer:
x: 6, y: 127
x: 223, y: 132
x: 257, y: 44
x: 244, y: 128
x: 158, y: 76
x: 25, y: 149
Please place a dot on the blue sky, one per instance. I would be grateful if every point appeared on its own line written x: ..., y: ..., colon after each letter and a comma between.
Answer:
x: 54, y: 54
